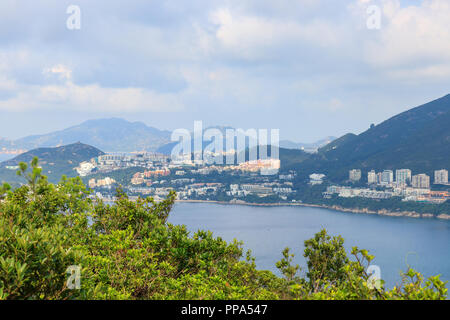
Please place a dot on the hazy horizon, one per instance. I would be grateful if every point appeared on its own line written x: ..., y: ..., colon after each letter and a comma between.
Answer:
x: 139, y: 121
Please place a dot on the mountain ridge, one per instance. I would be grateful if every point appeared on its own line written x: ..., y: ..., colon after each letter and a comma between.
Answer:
x: 55, y: 162
x: 109, y: 134
x: 418, y: 138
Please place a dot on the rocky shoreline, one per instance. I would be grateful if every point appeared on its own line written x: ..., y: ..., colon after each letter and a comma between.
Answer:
x: 383, y: 212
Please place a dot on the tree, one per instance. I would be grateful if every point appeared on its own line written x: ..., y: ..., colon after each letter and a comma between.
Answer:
x: 326, y: 259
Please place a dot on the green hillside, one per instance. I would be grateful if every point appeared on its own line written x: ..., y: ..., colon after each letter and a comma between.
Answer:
x: 418, y: 139
x: 55, y: 162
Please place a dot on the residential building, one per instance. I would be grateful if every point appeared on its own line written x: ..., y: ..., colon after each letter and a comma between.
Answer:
x: 316, y: 178
x: 257, y: 189
x: 155, y: 173
x: 138, y: 178
x: 106, y: 182
x: 372, y: 177
x: 387, y: 177
x: 92, y: 183
x: 286, y: 177
x: 403, y: 176
x: 441, y: 177
x: 379, y: 177
x: 282, y: 190
x: 421, y: 181
x: 85, y: 168
x: 355, y: 175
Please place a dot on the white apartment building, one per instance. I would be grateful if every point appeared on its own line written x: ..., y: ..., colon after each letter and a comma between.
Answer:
x: 441, y: 177
x: 403, y: 176
x: 372, y: 177
x: 387, y: 177
x: 85, y: 168
x: 421, y: 181
x: 354, y: 175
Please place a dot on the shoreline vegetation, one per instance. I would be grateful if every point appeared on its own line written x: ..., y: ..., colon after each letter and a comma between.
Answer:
x: 382, y: 212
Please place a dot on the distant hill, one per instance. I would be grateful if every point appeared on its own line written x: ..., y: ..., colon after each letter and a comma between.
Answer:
x: 167, y: 148
x: 309, y: 147
x: 54, y: 161
x: 285, y: 144
x: 290, y: 157
x: 418, y: 139
x: 337, y: 142
x: 111, y: 135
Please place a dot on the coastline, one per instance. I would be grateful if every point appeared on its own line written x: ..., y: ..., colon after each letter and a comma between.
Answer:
x: 383, y: 212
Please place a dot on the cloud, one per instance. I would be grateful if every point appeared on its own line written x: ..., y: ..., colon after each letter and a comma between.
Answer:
x: 87, y: 98
x: 63, y: 72
x: 336, y: 104
x: 257, y: 61
x: 252, y: 37
x: 414, y: 40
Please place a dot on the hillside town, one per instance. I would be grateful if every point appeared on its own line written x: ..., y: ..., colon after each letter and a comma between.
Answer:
x: 156, y: 175
x: 159, y: 175
x: 382, y: 185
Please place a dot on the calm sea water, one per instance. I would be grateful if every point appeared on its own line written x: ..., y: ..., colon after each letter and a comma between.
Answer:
x: 396, y: 242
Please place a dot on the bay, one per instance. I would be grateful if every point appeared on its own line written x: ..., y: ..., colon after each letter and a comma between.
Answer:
x: 396, y: 242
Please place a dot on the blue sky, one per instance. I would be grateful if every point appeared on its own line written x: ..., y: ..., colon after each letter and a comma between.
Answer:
x: 310, y: 68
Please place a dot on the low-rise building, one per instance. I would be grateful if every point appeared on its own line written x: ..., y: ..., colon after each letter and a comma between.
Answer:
x: 138, y: 178
x: 316, y: 178
x: 354, y: 175
x: 85, y: 168
x: 257, y: 189
x: 106, y: 182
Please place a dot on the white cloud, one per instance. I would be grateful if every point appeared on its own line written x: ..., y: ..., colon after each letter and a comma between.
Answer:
x: 88, y: 98
x: 63, y: 72
x: 437, y: 72
x: 7, y: 84
x: 415, y: 37
x: 252, y: 36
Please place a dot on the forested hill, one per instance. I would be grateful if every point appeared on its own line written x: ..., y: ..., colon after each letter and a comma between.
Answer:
x: 54, y: 161
x: 418, y: 139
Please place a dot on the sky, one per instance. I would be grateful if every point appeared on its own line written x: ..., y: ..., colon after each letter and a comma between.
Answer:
x: 311, y: 68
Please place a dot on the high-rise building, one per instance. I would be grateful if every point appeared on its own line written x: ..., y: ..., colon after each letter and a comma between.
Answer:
x: 355, y: 175
x: 421, y: 181
x: 387, y: 177
x: 403, y: 176
x: 372, y: 177
x: 379, y: 177
x: 441, y: 177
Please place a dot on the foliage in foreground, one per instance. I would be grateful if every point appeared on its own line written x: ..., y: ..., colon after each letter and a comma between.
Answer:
x: 129, y: 251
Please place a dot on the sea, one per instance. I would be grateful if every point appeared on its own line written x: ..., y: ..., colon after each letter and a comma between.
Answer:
x: 396, y: 242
